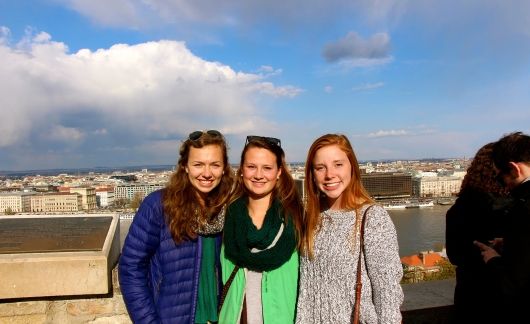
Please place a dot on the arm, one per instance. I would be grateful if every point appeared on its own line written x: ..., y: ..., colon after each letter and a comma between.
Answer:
x: 140, y: 245
x: 470, y: 219
x: 510, y: 270
x: 383, y: 265
x: 456, y: 233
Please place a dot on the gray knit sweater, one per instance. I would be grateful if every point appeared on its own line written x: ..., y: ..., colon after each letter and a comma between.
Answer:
x: 327, y: 283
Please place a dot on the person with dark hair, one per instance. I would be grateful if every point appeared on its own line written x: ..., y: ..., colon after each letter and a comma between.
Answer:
x: 336, y: 203
x: 170, y: 263
x: 510, y: 269
x: 259, y: 257
x: 477, y: 214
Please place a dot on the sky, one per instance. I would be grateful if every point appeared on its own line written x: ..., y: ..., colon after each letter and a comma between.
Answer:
x: 88, y: 83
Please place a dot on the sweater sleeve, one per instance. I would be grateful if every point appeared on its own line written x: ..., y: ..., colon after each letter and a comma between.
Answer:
x: 140, y: 245
x: 383, y: 265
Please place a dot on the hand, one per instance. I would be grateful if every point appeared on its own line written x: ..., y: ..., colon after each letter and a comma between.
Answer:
x: 487, y: 252
x: 497, y: 243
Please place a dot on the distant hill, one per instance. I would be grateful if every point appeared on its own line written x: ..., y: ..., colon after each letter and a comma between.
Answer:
x: 162, y: 167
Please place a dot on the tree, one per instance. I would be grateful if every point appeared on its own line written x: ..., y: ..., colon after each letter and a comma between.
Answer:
x: 9, y: 211
x: 136, y: 200
x: 121, y: 202
x: 447, y: 270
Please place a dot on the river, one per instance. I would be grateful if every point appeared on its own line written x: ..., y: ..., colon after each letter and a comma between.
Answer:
x: 420, y: 229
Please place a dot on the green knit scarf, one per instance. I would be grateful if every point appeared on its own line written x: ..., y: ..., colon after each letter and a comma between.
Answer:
x: 241, y: 236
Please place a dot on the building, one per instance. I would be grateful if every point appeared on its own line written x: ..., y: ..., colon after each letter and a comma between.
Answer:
x: 128, y: 191
x: 56, y: 202
x: 16, y: 202
x: 388, y: 185
x: 299, y: 183
x: 104, y: 197
x: 88, y: 197
x: 429, y: 187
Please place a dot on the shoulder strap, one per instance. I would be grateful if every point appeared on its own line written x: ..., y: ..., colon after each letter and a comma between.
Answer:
x: 363, y: 222
x: 358, y: 283
x: 226, y: 286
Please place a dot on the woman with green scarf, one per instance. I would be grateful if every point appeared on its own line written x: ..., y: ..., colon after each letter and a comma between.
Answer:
x: 259, y: 257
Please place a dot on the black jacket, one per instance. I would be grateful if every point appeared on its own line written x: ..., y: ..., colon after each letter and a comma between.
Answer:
x: 511, y: 271
x: 478, y: 216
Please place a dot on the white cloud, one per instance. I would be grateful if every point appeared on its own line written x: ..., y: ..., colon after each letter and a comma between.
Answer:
x: 328, y: 89
x: 275, y: 91
x: 42, y: 37
x: 101, y: 131
x: 131, y: 13
x: 368, y: 86
x: 135, y: 13
x: 123, y: 94
x: 5, y: 33
x: 269, y: 71
x: 204, y: 14
x: 65, y: 134
x: 389, y: 133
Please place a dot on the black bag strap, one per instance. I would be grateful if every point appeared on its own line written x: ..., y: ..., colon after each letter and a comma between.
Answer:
x: 226, y: 286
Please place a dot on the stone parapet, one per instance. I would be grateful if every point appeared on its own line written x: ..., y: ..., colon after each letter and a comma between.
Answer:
x: 426, y: 302
x: 95, y: 309
x: 35, y: 263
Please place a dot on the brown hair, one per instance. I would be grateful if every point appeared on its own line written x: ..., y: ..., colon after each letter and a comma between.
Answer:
x: 285, y: 189
x: 353, y: 197
x: 481, y: 173
x: 179, y: 197
x: 514, y: 147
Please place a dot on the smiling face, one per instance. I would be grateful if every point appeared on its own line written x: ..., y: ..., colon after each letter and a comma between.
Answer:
x: 205, y: 167
x: 260, y: 172
x: 332, y: 173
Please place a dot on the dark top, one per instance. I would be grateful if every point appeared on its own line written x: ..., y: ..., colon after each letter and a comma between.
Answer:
x: 478, y: 216
x: 511, y: 271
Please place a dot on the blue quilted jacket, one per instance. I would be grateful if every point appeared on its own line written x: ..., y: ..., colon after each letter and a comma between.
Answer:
x: 159, y: 279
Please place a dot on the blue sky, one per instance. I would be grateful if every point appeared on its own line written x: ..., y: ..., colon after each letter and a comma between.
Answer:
x: 87, y: 83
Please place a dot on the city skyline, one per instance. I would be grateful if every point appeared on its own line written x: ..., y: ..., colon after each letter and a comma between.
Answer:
x: 122, y: 83
x: 170, y: 167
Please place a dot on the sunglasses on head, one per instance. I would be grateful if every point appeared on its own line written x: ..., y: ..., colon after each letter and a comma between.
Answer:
x: 270, y: 140
x: 193, y: 136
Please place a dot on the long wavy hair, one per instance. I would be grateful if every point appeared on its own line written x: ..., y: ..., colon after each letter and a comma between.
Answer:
x: 481, y: 174
x: 182, y: 207
x: 354, y: 195
x: 285, y: 189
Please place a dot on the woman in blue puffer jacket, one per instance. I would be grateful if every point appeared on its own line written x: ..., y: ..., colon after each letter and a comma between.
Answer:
x: 169, y: 266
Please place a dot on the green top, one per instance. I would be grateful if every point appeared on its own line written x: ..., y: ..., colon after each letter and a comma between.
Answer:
x: 279, y: 288
x: 207, y: 298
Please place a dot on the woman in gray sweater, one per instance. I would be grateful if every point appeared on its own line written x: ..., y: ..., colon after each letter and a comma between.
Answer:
x: 336, y: 201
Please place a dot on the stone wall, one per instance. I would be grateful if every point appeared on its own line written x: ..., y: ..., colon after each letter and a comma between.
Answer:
x: 94, y: 309
x: 428, y: 302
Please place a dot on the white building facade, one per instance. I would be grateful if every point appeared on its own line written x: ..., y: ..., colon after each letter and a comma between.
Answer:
x: 16, y: 202
x: 428, y: 187
x: 128, y: 191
